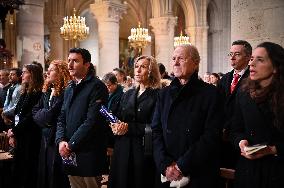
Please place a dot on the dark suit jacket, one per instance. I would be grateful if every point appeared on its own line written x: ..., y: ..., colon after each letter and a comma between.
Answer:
x: 83, y: 127
x: 224, y: 87
x: 186, y: 129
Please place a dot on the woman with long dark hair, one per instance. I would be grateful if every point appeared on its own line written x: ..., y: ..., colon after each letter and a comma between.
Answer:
x: 25, y: 135
x: 259, y: 119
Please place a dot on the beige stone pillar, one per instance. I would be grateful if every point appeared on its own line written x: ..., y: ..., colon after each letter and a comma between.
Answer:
x: 30, y: 40
x: 56, y: 42
x: 201, y: 41
x: 163, y: 28
x: 257, y: 21
x: 108, y: 14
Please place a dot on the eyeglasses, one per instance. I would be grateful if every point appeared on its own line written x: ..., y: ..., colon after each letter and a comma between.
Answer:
x: 235, y: 54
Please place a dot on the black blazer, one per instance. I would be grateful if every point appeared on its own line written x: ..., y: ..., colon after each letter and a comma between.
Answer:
x: 186, y: 129
x: 224, y: 87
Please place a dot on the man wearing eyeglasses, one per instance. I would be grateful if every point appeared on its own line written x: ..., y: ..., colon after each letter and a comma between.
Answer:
x: 239, y: 56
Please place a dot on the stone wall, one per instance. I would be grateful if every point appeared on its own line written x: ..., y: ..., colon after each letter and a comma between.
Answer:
x: 258, y: 21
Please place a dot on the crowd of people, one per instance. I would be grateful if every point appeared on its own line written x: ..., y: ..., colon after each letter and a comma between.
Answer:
x: 160, y: 130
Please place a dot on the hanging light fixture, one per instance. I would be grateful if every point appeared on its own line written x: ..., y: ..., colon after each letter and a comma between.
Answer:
x: 139, y: 38
x: 74, y: 28
x: 181, y: 40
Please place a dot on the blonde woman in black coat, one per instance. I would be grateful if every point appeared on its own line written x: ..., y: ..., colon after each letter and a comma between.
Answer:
x: 133, y: 165
x: 259, y: 118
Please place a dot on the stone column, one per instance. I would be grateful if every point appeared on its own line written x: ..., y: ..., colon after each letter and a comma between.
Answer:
x: 163, y: 28
x: 257, y: 21
x: 56, y: 42
x: 200, y: 40
x: 30, y: 40
x: 108, y: 14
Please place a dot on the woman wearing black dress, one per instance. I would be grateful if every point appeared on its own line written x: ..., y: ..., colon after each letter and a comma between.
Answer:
x: 259, y: 118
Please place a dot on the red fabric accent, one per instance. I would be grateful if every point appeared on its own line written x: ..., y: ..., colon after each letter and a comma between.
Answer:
x: 235, y: 82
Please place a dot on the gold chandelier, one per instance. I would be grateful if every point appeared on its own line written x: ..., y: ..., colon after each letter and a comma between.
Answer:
x: 181, y: 40
x: 74, y: 28
x: 139, y: 37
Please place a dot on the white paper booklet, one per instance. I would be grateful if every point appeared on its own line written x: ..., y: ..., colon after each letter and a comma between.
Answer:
x: 254, y: 148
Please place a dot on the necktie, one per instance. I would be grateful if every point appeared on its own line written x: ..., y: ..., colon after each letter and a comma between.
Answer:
x: 235, y: 82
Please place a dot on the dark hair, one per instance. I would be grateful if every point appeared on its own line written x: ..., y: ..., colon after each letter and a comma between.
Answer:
x: 109, y: 77
x: 162, y: 68
x: 36, y: 82
x: 122, y: 72
x: 38, y: 64
x: 216, y: 75
x: 275, y: 91
x: 18, y: 71
x: 2, y: 43
x: 84, y: 53
x: 246, y: 44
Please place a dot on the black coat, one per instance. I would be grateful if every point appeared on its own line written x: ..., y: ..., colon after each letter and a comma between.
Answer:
x: 112, y: 106
x: 45, y: 114
x: 133, y: 165
x: 83, y: 127
x: 229, y: 155
x: 186, y: 129
x: 254, y: 122
x: 28, y: 135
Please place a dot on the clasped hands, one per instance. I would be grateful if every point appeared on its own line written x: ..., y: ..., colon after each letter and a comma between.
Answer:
x: 269, y: 150
x: 64, y: 149
x: 119, y: 128
x: 173, y: 173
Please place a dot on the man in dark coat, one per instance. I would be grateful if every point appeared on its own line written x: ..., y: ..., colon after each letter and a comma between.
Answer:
x: 81, y: 129
x: 240, y: 54
x: 186, y: 126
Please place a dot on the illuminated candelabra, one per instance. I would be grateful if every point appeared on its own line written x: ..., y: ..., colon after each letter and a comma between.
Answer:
x: 139, y: 38
x: 74, y: 28
x: 181, y: 40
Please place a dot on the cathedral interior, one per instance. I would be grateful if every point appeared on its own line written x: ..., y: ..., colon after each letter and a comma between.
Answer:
x: 31, y: 29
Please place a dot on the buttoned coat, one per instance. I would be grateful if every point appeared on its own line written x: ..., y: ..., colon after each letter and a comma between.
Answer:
x: 83, y: 127
x: 131, y: 163
x: 186, y: 129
